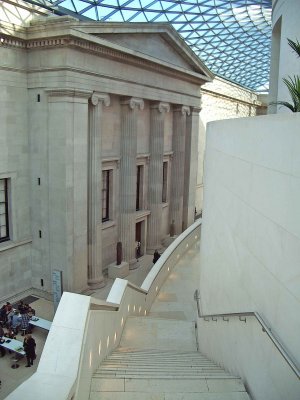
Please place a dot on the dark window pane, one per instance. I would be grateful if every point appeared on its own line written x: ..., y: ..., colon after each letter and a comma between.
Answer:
x: 105, y: 195
x: 165, y: 183
x: 138, y: 186
x: 4, y: 226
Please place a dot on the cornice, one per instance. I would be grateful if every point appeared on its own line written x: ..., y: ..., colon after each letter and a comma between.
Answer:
x: 69, y: 92
x: 106, y: 49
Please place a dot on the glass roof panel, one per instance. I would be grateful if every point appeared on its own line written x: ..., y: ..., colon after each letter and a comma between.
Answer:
x: 232, y: 37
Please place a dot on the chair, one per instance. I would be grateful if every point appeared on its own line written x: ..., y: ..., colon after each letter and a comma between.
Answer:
x: 15, y: 360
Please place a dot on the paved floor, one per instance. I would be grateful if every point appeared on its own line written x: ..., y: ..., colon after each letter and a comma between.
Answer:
x: 174, y: 301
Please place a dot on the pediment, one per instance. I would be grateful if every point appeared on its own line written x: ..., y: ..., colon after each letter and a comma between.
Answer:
x: 158, y: 41
x: 153, y: 45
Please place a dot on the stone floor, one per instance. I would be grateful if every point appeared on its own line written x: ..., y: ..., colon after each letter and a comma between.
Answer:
x: 11, y: 378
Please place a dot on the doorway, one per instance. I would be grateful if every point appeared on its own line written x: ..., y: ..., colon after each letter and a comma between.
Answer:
x: 139, y: 238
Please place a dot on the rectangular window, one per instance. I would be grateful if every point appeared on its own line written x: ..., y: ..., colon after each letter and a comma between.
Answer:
x: 165, y: 182
x: 139, y: 187
x: 4, y: 223
x: 105, y: 195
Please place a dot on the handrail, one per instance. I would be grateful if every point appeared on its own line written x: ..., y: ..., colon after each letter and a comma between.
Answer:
x: 263, y: 324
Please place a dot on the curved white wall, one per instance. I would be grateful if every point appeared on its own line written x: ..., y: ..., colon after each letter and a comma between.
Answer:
x: 250, y: 242
x: 284, y: 62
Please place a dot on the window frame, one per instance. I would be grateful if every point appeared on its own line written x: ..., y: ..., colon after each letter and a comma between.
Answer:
x: 164, y: 194
x: 107, y: 195
x: 139, y: 187
x: 6, y: 211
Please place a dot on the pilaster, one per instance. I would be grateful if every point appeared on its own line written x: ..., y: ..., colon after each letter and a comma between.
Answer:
x: 66, y: 201
x: 130, y: 108
x: 190, y: 166
x: 177, y: 176
x: 157, y: 119
x: 95, y: 276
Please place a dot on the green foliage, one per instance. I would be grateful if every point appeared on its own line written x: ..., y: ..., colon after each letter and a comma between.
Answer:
x: 295, y: 46
x: 292, y: 84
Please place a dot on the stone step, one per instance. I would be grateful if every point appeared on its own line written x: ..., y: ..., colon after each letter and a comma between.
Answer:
x: 165, y: 385
x: 137, y: 351
x: 156, y: 360
x: 160, y: 367
x: 168, y: 396
x: 161, y: 376
x: 159, y: 360
x: 157, y: 357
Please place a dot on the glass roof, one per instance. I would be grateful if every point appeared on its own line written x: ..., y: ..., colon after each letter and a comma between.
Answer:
x: 232, y: 37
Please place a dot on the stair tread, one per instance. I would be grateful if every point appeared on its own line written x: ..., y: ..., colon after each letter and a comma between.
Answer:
x: 168, y: 396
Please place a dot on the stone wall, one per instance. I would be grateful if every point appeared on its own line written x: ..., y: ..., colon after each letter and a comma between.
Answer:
x: 222, y: 99
x: 250, y: 237
x: 15, y: 259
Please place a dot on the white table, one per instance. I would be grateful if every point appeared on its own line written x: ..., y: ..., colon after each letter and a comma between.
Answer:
x: 13, y: 345
x: 41, y: 323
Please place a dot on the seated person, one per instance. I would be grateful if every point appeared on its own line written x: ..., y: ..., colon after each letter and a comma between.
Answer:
x: 31, y: 311
x: 10, y: 334
x: 3, y: 318
x: 15, y: 322
x: 21, y: 307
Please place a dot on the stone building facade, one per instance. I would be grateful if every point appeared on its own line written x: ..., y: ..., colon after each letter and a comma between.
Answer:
x: 99, y: 141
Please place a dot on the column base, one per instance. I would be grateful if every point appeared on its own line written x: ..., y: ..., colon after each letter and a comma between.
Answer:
x: 118, y: 271
x: 96, y: 283
x: 134, y: 263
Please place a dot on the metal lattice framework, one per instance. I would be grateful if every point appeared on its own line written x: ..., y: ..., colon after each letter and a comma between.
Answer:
x: 232, y: 37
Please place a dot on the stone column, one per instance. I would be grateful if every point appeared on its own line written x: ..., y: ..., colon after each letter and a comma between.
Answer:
x: 177, y: 174
x: 157, y: 119
x: 95, y: 276
x: 129, y: 115
x: 190, y: 166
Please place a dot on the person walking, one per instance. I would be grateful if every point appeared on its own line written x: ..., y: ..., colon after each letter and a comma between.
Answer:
x: 156, y: 256
x: 29, y: 348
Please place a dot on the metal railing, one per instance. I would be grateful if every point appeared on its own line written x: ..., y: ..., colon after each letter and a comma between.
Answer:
x: 243, y: 317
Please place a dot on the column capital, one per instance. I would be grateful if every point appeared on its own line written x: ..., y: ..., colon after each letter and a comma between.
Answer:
x: 100, y: 97
x: 133, y: 102
x: 184, y: 110
x: 161, y: 106
x: 196, y: 109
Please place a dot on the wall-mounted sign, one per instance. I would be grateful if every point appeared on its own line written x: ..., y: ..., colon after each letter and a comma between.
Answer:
x: 57, y: 287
